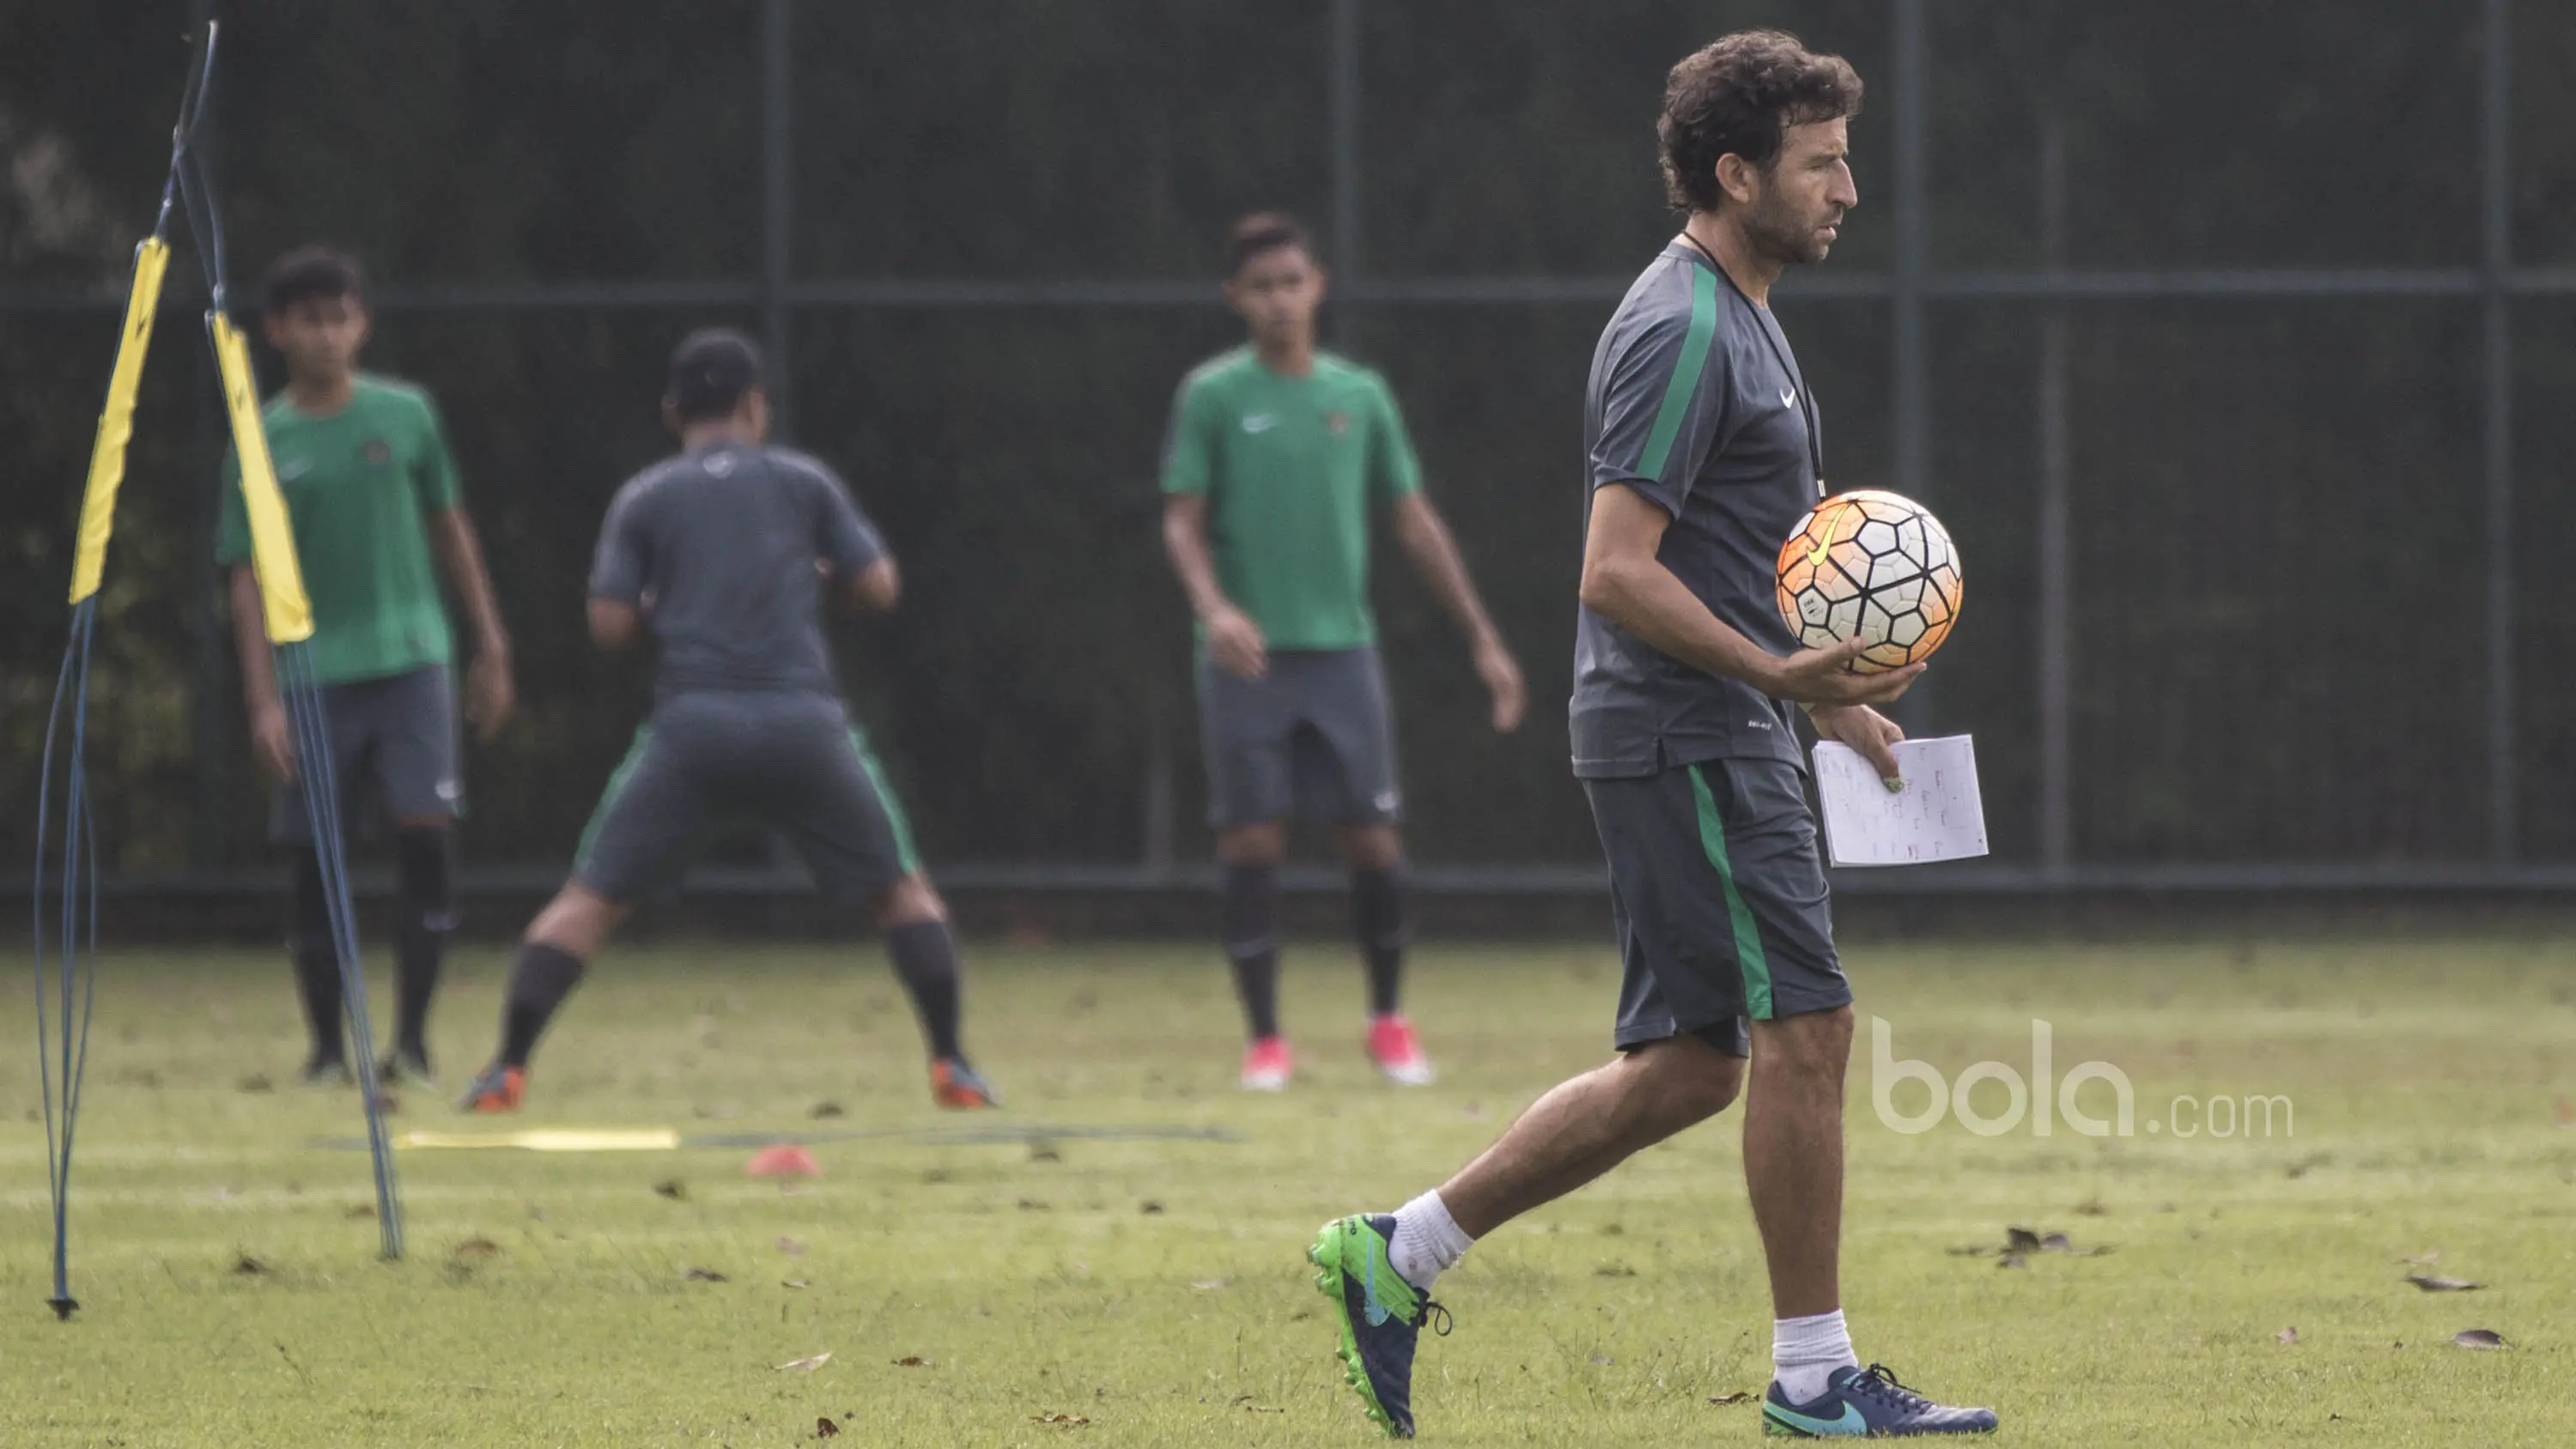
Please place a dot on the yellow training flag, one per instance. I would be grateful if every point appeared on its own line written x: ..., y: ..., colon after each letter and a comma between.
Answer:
x: 272, y: 535
x: 116, y: 422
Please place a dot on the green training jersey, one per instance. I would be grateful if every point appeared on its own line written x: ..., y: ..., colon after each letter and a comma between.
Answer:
x: 359, y: 484
x: 1289, y: 466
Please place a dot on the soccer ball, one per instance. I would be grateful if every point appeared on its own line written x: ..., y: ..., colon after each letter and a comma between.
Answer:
x: 1870, y: 565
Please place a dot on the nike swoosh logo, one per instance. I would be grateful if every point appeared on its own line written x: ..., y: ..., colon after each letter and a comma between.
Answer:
x: 1816, y: 555
x: 1852, y: 1422
x: 293, y: 469
x: 1788, y: 397
x: 1260, y: 423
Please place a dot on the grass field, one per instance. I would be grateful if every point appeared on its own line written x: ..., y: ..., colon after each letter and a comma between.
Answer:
x: 1156, y: 1290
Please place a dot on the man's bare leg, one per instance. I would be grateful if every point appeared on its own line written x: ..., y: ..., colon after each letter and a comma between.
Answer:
x: 1587, y: 1126
x: 1793, y: 1156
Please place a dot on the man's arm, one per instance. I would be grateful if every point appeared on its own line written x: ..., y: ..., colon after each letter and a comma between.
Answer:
x: 614, y: 623
x: 1233, y: 640
x: 269, y: 734
x: 489, y: 692
x: 1427, y: 541
x: 1624, y: 582
x: 874, y: 589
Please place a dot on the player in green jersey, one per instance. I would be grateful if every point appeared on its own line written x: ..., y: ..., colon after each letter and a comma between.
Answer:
x: 1277, y: 454
x: 364, y: 465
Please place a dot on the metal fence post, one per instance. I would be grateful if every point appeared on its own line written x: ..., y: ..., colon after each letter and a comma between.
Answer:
x: 1913, y: 430
x: 1342, y: 89
x: 777, y: 117
x: 2056, y: 529
x: 2503, y: 824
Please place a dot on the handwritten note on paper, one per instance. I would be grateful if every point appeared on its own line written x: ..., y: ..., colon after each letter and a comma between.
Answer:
x: 1937, y: 816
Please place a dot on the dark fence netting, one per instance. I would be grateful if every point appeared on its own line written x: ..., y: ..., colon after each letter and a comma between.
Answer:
x: 2278, y: 491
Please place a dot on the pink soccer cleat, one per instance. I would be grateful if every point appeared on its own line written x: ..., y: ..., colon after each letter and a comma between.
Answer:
x: 1392, y: 1045
x: 1267, y: 1064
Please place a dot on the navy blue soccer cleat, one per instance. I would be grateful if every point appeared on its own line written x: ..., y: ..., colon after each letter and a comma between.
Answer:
x: 1381, y: 1316
x: 1867, y: 1402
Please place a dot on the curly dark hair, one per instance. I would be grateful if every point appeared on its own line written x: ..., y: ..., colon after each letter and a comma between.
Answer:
x: 1739, y: 94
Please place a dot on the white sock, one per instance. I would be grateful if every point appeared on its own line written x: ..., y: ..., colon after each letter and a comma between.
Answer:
x: 1428, y: 1242
x: 1805, y: 1352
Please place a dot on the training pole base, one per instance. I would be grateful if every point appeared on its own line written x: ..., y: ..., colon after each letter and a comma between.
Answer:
x: 63, y: 1308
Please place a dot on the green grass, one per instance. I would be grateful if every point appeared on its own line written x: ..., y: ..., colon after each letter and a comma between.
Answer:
x: 1158, y: 1289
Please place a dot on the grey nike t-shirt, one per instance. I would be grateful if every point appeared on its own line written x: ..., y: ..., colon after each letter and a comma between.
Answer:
x: 1696, y: 403
x: 720, y: 547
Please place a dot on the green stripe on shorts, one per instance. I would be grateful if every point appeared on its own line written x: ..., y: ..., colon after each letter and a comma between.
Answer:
x: 1748, y: 935
x: 905, y: 855
x: 617, y: 779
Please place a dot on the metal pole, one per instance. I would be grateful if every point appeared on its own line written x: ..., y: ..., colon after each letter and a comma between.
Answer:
x: 2056, y: 533
x: 2503, y: 825
x: 1342, y: 88
x: 1912, y: 371
x: 777, y: 213
x: 201, y: 473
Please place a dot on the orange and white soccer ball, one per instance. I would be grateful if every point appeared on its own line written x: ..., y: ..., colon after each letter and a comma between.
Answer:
x: 1874, y: 566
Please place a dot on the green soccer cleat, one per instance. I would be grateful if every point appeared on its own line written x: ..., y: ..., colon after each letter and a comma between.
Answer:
x: 1381, y: 1316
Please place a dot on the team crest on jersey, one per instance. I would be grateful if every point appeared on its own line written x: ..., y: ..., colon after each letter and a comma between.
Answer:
x: 1339, y: 422
x: 378, y: 452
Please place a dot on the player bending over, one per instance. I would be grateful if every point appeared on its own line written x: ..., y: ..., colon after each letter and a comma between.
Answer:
x: 725, y: 552
x: 1276, y: 453
x: 364, y: 466
x: 1703, y: 451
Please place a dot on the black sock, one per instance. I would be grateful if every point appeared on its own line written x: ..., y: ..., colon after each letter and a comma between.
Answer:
x: 543, y: 976
x: 317, y: 962
x: 1378, y: 920
x: 424, y: 912
x: 1250, y: 931
x: 925, y: 960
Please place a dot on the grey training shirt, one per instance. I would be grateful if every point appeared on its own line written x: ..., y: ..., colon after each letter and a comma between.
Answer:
x: 719, y: 546
x: 1696, y: 403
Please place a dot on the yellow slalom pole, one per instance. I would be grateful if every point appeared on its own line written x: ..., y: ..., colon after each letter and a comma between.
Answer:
x: 116, y: 421
x: 272, y: 536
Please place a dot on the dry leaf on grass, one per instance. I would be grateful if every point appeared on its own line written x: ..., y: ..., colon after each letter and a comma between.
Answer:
x: 1740, y: 1396
x: 2020, y: 1240
x: 2431, y: 1284
x: 477, y: 1248
x: 826, y: 1429
x: 792, y: 1247
x: 673, y: 1188
x: 1057, y: 1419
x: 2286, y: 1335
x: 360, y: 1211
x: 2422, y: 1260
x: 824, y: 1111
x: 795, y: 1283
x: 806, y: 1365
x: 1210, y: 1285
x: 912, y: 1360
x: 1150, y: 1206
x: 704, y: 1275
x: 250, y: 1267
x: 2479, y: 1338
x: 258, y: 1083
x: 1032, y: 1205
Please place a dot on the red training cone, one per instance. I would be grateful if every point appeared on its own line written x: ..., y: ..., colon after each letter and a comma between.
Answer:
x: 784, y: 1159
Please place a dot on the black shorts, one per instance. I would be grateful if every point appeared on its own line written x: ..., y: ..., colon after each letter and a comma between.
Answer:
x: 1719, y: 898
x: 790, y: 762
x: 1313, y: 737
x: 394, y: 743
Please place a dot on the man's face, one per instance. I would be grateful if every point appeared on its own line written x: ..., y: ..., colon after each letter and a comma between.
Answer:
x: 319, y: 336
x: 1276, y: 293
x: 1797, y: 207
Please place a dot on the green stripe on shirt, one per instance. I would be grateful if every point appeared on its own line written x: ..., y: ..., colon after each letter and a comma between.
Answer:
x: 1686, y: 371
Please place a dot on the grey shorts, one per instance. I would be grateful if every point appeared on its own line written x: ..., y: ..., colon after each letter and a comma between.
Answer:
x: 790, y: 762
x: 1719, y: 899
x: 1314, y: 737
x: 394, y: 743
